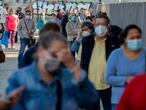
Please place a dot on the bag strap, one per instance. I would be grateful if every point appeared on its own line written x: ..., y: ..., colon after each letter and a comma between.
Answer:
x: 26, y: 26
x: 59, y: 95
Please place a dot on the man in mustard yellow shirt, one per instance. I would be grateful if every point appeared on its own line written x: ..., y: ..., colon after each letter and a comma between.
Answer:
x: 94, y: 53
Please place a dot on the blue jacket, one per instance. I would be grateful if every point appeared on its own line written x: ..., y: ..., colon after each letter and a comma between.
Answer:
x: 39, y: 95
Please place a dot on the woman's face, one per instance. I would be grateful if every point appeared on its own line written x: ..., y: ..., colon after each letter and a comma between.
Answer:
x: 134, y: 41
x: 133, y: 34
x: 11, y: 12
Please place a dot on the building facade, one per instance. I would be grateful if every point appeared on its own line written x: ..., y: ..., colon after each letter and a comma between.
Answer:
x: 103, y: 1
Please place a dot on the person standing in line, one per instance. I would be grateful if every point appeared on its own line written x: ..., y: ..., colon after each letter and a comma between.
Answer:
x: 20, y: 15
x: 58, y: 16
x: 25, y: 28
x: 89, y: 19
x: 12, y: 21
x: 81, y: 16
x: 3, y: 15
x: 28, y: 56
x: 72, y: 28
x: 126, y: 62
x: 63, y: 24
x: 41, y: 21
x: 94, y: 53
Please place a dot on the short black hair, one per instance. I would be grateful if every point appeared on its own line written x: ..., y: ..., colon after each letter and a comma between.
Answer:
x: 5, y: 4
x: 50, y: 26
x: 125, y: 32
x: 19, y: 8
x: 27, y: 11
x: 103, y: 15
x: 90, y: 18
x: 89, y: 25
x: 46, y: 38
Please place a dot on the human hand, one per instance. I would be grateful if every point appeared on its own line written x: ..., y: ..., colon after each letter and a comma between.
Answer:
x: 4, y: 104
x: 79, y: 35
x: 66, y: 57
x: 15, y: 95
x: 129, y: 79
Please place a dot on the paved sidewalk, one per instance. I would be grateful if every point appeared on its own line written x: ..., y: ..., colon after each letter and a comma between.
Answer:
x: 7, y: 68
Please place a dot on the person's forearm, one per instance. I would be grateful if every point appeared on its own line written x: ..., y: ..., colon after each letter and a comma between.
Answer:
x: 116, y: 80
x: 75, y: 46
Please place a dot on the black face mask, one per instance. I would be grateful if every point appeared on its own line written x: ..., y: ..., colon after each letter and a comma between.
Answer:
x: 52, y: 66
x: 17, y: 11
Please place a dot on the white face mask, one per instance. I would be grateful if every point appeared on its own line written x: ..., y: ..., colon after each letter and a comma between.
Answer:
x: 27, y: 17
x: 85, y: 33
x: 101, y: 30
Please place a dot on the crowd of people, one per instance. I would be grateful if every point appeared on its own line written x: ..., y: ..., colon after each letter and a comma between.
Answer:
x: 78, y: 62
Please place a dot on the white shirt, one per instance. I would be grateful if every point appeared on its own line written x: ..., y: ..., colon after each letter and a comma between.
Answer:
x: 3, y: 14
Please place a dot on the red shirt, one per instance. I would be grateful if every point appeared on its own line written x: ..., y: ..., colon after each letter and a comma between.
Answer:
x: 12, y: 22
x: 134, y: 97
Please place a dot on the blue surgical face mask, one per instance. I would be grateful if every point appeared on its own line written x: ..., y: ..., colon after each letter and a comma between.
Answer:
x: 135, y: 45
x: 73, y: 18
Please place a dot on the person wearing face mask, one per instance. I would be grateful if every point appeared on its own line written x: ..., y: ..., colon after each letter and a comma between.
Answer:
x: 19, y: 13
x: 89, y: 19
x: 126, y: 62
x: 48, y: 84
x: 28, y: 56
x: 25, y: 28
x: 87, y: 30
x: 72, y: 29
x: 93, y: 54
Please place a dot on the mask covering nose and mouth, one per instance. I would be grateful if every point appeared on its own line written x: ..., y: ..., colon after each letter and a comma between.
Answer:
x: 135, y: 45
x: 85, y: 34
x: 101, y: 30
x: 73, y: 18
x: 52, y: 66
x: 27, y: 17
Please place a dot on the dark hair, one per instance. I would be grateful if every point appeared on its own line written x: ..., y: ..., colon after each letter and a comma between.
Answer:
x: 103, y: 15
x: 19, y: 8
x: 89, y: 25
x: 5, y: 4
x: 90, y: 18
x: 46, y: 38
x: 125, y: 32
x: 27, y: 11
x: 50, y: 26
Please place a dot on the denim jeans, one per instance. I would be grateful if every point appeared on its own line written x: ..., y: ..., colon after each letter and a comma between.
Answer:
x: 105, y: 97
x: 23, y: 43
x: 114, y: 106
